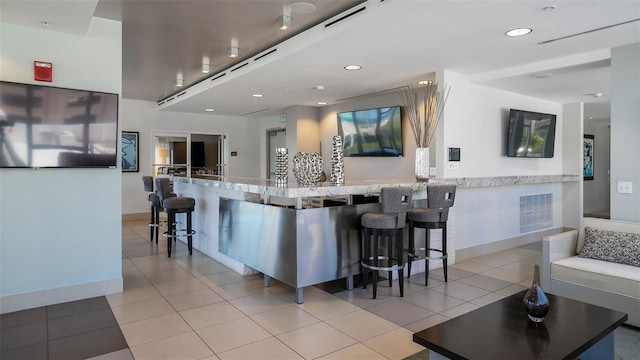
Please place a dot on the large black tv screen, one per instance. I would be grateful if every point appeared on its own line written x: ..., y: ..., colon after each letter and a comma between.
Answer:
x: 49, y: 127
x: 372, y: 132
x: 531, y: 134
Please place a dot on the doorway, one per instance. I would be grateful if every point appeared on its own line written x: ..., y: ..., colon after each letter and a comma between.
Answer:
x: 276, y: 138
x: 185, y: 154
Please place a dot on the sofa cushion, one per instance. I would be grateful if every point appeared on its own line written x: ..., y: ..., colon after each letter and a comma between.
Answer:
x: 597, y: 274
x: 605, y: 224
x: 615, y: 246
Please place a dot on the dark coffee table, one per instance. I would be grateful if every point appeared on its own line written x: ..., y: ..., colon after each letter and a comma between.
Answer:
x: 502, y: 330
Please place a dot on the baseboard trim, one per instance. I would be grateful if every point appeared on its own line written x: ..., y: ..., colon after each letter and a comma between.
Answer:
x: 484, y: 249
x: 33, y: 299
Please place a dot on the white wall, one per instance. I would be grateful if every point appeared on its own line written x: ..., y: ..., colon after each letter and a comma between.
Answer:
x: 60, y: 229
x: 625, y: 131
x: 368, y: 168
x: 475, y: 120
x: 596, y: 191
x: 572, y: 155
x: 143, y: 117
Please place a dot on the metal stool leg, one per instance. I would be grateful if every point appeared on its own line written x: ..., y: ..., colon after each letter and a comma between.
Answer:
x: 390, y: 258
x: 427, y: 243
x: 375, y: 263
x: 400, y: 260
x: 157, y: 210
x: 411, y: 248
x: 444, y: 250
x: 152, y: 221
x: 366, y: 256
x: 171, y: 230
x: 189, y: 235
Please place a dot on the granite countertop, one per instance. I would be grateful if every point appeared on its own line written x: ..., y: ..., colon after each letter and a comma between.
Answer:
x: 292, y: 190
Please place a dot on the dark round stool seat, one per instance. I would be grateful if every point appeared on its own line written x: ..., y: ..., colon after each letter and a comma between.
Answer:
x: 179, y: 204
x: 379, y: 221
x: 424, y: 215
x: 154, y: 199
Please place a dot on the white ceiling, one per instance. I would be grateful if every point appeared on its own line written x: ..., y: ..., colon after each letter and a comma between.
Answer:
x: 397, y: 42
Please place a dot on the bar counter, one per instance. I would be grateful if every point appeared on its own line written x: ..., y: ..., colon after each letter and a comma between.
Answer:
x: 290, y: 234
x: 285, y: 232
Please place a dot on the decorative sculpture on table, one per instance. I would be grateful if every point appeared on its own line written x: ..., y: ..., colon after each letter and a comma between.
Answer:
x: 535, y: 300
x: 337, y: 161
x: 282, y: 166
x: 307, y: 168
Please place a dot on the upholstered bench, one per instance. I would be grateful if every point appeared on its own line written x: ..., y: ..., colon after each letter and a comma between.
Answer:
x: 599, y: 263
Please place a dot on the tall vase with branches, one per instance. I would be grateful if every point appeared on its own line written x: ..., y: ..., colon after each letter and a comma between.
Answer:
x: 424, y: 107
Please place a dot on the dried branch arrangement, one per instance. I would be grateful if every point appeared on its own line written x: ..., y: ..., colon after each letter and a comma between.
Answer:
x: 424, y: 112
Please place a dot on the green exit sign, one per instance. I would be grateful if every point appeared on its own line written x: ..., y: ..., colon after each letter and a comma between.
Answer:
x: 283, y: 118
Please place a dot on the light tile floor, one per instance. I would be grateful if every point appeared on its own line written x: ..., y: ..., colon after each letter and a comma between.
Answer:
x: 192, y: 307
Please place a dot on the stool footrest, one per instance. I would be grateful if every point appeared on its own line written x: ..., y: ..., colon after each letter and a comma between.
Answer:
x: 385, y: 268
x: 429, y: 258
x: 168, y: 235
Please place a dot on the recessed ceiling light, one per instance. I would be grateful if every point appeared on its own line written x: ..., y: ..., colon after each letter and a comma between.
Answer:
x: 322, y: 103
x: 549, y: 8
x: 353, y: 67
x: 424, y: 82
x: 257, y: 95
x: 518, y: 32
x: 302, y: 8
x: 44, y: 23
x: 209, y: 109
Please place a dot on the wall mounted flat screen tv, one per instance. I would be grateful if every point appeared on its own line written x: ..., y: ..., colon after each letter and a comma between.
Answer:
x: 531, y: 134
x: 372, y: 132
x: 51, y: 127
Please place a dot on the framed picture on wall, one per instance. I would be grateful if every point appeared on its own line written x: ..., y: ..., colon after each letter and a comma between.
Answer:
x: 130, y: 154
x: 587, y: 162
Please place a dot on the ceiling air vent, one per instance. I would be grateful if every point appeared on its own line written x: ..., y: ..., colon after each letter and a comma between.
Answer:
x: 265, y: 54
x: 344, y: 17
x: 160, y: 103
x: 587, y: 32
x: 239, y: 67
x: 218, y: 77
x: 255, y: 112
x: 182, y: 93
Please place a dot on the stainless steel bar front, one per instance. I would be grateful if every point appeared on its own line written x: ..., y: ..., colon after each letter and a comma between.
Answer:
x: 299, y: 247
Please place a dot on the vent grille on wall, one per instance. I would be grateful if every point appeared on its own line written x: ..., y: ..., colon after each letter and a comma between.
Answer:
x: 536, y: 212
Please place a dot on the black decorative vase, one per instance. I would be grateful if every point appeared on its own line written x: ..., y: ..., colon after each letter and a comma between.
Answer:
x: 535, y: 300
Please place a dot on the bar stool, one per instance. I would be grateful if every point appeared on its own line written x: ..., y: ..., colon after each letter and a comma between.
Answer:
x: 439, y: 199
x: 175, y: 205
x: 154, y: 200
x: 388, y: 225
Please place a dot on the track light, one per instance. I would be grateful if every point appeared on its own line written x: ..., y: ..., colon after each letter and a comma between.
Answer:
x: 205, y: 64
x: 285, y: 22
x: 233, y: 49
x: 179, y: 79
x: 285, y: 19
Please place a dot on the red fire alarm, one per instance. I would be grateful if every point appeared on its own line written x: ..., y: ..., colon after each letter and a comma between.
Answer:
x: 42, y: 71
